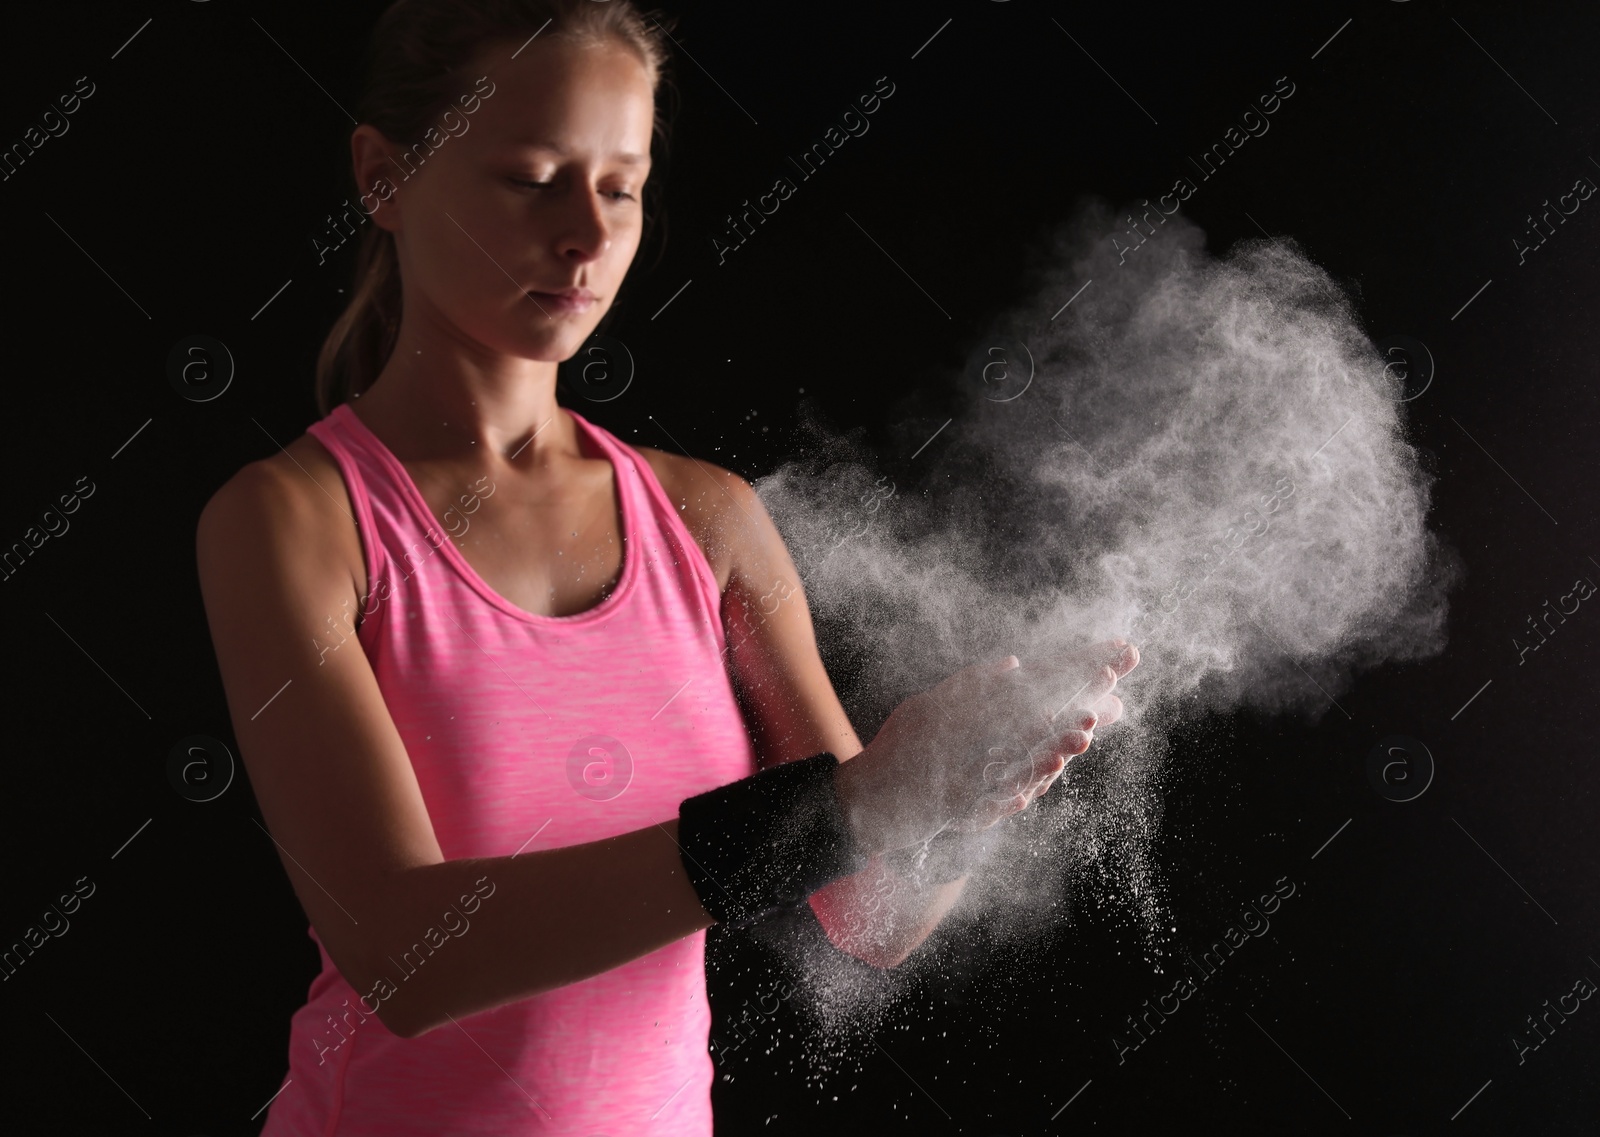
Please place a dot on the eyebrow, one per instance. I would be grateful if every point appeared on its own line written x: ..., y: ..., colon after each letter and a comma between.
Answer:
x: 627, y: 157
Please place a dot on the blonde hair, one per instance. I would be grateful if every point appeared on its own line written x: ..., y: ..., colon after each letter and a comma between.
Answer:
x: 413, y: 73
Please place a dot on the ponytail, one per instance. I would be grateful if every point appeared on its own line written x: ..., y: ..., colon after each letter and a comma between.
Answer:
x: 362, y: 338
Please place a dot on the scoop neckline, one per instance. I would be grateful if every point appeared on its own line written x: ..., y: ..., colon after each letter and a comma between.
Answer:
x: 421, y: 511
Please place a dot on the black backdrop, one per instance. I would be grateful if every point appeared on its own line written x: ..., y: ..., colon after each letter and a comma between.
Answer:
x: 1420, y: 934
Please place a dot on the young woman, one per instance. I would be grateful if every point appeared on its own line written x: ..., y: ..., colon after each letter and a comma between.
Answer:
x: 512, y: 811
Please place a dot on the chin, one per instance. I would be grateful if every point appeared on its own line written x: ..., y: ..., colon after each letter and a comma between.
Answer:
x: 557, y: 345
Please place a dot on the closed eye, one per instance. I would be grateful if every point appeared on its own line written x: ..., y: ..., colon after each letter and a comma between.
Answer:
x: 616, y: 195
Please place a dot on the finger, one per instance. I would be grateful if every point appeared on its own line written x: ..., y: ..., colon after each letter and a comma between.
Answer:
x: 1090, y: 691
x: 1040, y: 769
x: 1026, y: 776
x: 1072, y: 743
x: 1072, y: 734
x: 1121, y: 656
x: 1031, y: 775
x: 1050, y: 781
x: 1109, y: 710
x: 1003, y: 780
x: 1058, y: 745
x: 1100, y: 684
x: 1049, y: 772
x: 1032, y: 714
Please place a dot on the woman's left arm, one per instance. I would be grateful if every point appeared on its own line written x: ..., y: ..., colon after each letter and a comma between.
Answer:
x: 879, y: 915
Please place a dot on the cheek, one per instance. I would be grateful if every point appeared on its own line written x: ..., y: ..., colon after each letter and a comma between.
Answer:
x: 469, y: 263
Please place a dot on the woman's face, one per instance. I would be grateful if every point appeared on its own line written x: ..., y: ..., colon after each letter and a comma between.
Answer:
x: 474, y: 237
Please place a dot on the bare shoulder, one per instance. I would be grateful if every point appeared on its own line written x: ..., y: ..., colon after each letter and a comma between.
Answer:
x: 717, y: 506
x: 299, y: 493
x: 688, y: 480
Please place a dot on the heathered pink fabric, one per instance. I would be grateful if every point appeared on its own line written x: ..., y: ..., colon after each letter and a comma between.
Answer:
x: 506, y: 715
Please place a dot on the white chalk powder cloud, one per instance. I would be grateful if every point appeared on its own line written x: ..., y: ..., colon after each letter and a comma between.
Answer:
x: 1210, y: 459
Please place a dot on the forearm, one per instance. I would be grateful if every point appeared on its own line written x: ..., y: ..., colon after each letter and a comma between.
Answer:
x: 542, y: 920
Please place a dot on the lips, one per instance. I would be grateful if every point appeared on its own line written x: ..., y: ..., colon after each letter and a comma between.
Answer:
x: 568, y: 302
x: 571, y: 295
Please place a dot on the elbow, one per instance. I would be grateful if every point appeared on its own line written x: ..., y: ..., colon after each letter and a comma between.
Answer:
x: 404, y: 1018
x: 400, y: 1016
x: 402, y: 1008
x: 408, y: 1012
x: 398, y: 1025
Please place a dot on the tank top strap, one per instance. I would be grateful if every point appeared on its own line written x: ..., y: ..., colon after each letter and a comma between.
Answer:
x: 363, y: 471
x: 658, y: 519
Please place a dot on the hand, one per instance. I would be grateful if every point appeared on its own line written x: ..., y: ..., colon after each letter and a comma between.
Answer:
x: 1076, y: 688
x: 979, y: 745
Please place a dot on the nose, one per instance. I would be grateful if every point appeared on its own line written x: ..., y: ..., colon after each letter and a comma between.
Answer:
x: 584, y: 234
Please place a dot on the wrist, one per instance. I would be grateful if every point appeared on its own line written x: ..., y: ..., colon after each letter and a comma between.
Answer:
x: 853, y: 789
x: 764, y: 843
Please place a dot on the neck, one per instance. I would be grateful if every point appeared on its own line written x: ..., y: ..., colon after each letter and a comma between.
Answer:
x: 441, y: 399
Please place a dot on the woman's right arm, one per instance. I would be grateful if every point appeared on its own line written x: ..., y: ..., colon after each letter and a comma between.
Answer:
x: 344, y: 810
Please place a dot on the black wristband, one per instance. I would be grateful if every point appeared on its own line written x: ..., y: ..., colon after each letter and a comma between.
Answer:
x: 764, y: 843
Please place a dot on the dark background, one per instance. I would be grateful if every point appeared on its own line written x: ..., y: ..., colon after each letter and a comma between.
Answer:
x: 1385, y: 995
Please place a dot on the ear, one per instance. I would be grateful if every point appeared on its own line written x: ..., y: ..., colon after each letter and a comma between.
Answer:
x: 378, y: 176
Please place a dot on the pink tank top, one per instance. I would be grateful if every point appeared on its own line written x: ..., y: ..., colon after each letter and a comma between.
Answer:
x: 528, y: 732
